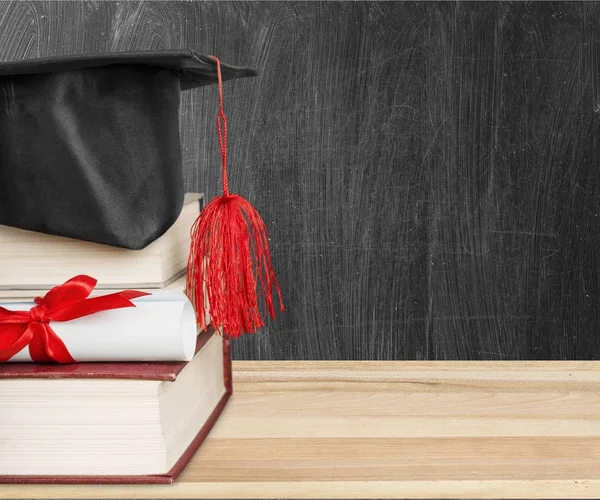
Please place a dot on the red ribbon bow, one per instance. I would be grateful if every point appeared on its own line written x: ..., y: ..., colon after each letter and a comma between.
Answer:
x: 62, y: 303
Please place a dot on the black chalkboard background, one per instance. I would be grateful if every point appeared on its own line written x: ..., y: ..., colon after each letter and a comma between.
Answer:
x: 429, y: 172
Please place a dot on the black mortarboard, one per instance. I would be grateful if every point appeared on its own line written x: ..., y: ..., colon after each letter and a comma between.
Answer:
x: 90, y: 146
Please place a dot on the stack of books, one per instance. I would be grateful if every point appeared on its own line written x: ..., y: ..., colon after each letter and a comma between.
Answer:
x: 105, y: 422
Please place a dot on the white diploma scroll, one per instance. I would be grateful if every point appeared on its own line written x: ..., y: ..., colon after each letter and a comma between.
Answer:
x: 161, y: 327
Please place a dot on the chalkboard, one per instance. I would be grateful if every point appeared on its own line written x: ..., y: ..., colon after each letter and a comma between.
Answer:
x: 429, y: 171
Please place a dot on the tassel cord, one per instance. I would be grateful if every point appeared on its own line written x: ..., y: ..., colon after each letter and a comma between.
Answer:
x: 222, y: 130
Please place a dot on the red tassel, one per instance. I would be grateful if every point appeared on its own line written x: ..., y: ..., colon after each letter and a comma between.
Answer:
x: 229, y: 257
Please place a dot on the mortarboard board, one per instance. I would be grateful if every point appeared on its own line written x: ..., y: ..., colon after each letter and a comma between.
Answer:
x: 90, y: 144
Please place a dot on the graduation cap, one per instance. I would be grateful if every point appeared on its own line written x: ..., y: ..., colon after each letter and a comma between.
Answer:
x: 90, y: 146
x: 90, y: 149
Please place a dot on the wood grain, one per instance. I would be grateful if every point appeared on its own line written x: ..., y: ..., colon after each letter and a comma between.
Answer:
x: 427, y: 170
x: 390, y: 430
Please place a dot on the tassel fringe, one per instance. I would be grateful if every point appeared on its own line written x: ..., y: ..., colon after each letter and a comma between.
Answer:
x: 229, y: 260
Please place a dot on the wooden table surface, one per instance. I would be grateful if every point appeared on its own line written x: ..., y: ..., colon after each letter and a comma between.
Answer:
x: 391, y: 430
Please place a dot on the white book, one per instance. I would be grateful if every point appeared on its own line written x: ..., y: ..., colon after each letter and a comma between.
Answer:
x: 97, y: 422
x: 36, y: 262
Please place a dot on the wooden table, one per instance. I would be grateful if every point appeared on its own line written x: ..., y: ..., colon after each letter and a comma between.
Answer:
x: 399, y: 430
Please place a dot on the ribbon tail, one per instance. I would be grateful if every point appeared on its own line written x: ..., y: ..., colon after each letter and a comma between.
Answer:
x: 96, y: 304
x: 13, y: 338
x: 47, y: 347
x: 132, y: 294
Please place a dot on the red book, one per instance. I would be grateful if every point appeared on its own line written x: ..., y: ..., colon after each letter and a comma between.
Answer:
x: 110, y: 422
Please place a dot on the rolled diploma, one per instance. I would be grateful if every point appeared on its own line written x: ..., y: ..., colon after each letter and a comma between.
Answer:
x: 161, y: 327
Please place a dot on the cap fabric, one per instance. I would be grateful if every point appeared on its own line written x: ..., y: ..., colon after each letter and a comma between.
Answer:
x: 90, y: 145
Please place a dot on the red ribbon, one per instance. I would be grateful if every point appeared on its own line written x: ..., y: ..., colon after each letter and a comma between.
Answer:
x: 62, y: 303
